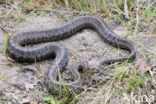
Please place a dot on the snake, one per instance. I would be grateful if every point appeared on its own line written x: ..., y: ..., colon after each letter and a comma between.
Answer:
x: 47, y: 47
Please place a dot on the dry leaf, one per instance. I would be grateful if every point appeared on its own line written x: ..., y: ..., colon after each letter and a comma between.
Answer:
x: 142, y: 65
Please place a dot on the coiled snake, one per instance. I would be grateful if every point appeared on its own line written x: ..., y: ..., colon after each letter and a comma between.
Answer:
x: 17, y: 51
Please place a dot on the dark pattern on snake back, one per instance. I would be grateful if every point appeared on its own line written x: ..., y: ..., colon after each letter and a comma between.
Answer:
x: 49, y: 49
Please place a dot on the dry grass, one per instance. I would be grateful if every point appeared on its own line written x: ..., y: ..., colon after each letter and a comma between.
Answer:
x: 130, y: 13
x: 135, y: 15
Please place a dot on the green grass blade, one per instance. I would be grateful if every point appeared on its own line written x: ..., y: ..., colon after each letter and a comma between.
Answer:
x: 116, y: 7
x: 149, y: 12
x: 123, y: 22
x: 103, y: 6
x: 65, y: 18
x: 80, y: 4
x: 50, y: 100
x: 2, y: 76
x: 6, y: 42
x: 65, y: 88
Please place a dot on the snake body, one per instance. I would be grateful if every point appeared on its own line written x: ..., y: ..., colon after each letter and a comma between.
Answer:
x: 17, y: 51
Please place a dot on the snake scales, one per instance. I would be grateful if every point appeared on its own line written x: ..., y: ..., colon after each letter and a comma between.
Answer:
x: 17, y: 51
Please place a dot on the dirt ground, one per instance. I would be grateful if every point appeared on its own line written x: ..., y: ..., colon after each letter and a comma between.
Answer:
x: 86, y: 44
